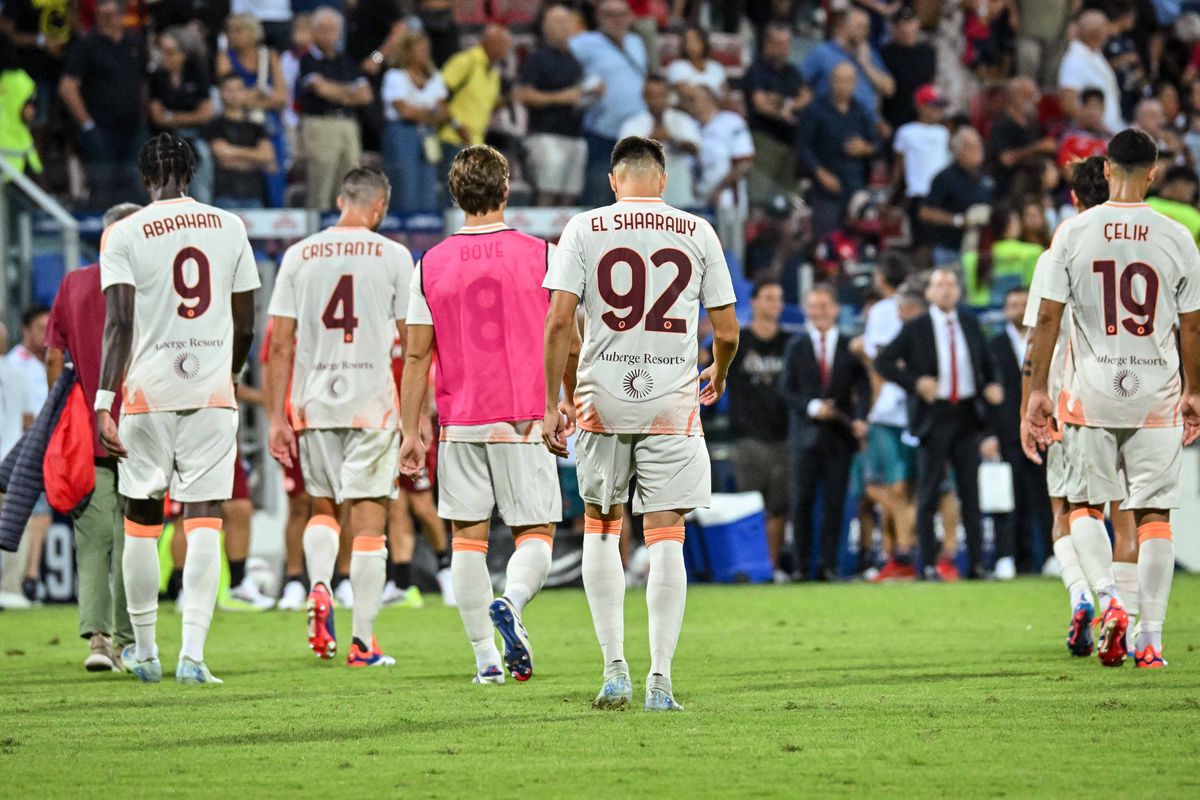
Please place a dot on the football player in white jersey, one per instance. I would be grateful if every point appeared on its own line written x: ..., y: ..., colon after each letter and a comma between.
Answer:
x: 641, y: 270
x: 178, y: 280
x: 1132, y: 279
x: 340, y: 300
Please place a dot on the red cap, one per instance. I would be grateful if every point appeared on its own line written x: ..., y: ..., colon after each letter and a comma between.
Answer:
x: 928, y: 95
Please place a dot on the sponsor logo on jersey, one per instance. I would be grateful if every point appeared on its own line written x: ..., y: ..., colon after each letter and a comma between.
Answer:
x: 186, y: 366
x: 637, y: 383
x: 1126, y: 383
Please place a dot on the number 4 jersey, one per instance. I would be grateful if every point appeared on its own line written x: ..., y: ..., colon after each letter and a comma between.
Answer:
x: 641, y: 269
x: 184, y: 260
x: 346, y: 288
x: 1127, y: 273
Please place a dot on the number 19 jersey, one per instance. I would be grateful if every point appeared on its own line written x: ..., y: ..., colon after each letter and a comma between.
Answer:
x: 1127, y: 273
x: 184, y: 260
x: 641, y: 270
x: 346, y: 288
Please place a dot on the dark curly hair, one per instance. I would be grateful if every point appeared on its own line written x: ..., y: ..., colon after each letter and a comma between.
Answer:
x: 167, y: 157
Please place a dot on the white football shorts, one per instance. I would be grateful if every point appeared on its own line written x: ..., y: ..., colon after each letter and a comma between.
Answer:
x: 1056, y: 470
x: 188, y: 453
x: 673, y: 471
x: 519, y: 478
x: 1151, y: 460
x: 350, y: 463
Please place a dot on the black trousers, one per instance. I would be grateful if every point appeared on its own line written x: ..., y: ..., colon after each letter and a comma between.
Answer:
x: 1032, y: 518
x: 825, y: 465
x: 953, y: 439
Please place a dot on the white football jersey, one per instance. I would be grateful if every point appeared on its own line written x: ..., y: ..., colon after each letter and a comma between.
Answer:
x: 1058, y: 361
x: 346, y: 288
x: 184, y: 259
x: 1127, y: 273
x: 641, y: 270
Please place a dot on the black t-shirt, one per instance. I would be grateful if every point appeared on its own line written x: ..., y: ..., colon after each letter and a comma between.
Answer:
x: 52, y: 19
x: 549, y: 69
x: 786, y: 81
x: 912, y: 68
x: 233, y: 183
x: 340, y: 69
x: 756, y: 408
x: 368, y: 23
x: 191, y: 91
x: 955, y: 190
x: 1008, y: 134
x: 110, y: 75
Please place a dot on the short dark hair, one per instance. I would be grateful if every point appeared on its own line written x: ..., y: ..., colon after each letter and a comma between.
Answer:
x: 656, y: 77
x: 826, y: 289
x: 637, y: 150
x: 363, y: 183
x: 1089, y: 94
x: 1180, y: 173
x: 1088, y: 182
x: 763, y: 283
x: 166, y: 157
x: 1015, y: 290
x: 895, y: 268
x: 693, y: 27
x: 32, y: 313
x: 479, y: 179
x: 1132, y: 149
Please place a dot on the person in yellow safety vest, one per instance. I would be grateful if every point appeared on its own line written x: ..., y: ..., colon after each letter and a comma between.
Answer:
x: 16, y: 110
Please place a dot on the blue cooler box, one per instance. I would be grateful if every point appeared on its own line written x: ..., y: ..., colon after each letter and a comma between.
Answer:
x: 728, y: 542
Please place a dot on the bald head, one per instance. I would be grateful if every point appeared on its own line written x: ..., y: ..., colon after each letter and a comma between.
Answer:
x: 943, y: 290
x: 842, y: 82
x: 1093, y: 27
x: 854, y: 27
x: 496, y: 42
x: 1023, y: 94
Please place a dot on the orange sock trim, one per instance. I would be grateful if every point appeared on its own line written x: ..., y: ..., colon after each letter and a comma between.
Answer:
x: 369, y: 544
x: 528, y: 537
x: 601, y: 525
x: 326, y: 520
x: 1080, y: 513
x: 1154, y: 530
x: 471, y: 545
x: 190, y: 525
x: 142, y: 531
x: 656, y: 535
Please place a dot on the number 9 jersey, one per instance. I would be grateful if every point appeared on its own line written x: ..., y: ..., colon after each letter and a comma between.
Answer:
x: 184, y: 260
x: 1127, y: 273
x: 641, y: 269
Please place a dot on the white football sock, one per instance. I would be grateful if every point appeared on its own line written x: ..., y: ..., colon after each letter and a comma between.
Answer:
x: 1156, y: 568
x: 1126, y: 576
x: 368, y: 573
x: 321, y: 542
x: 666, y: 593
x: 473, y: 591
x: 604, y: 585
x: 527, y: 569
x: 1072, y: 575
x: 139, y: 563
x: 1094, y: 550
x: 201, y: 582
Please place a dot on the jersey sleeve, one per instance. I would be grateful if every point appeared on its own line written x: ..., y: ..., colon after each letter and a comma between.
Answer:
x: 1057, y: 281
x: 716, y: 284
x: 116, y: 266
x: 1036, y: 291
x: 404, y: 280
x: 1188, y: 293
x: 56, y: 334
x: 245, y: 273
x: 418, y: 309
x: 567, y: 272
x: 283, y: 298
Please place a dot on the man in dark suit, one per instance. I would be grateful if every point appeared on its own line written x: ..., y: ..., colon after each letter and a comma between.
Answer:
x: 941, y: 359
x: 828, y: 395
x: 1015, y: 533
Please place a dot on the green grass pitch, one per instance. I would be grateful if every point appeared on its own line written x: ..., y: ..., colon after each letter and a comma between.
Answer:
x: 916, y: 690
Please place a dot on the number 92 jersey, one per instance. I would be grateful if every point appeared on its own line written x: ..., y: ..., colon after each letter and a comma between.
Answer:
x: 1127, y: 273
x: 641, y: 269
x: 184, y: 260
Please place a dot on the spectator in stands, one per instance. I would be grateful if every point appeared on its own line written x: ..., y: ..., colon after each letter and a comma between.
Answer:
x: 439, y: 24
x: 942, y: 361
x: 17, y: 97
x: 775, y: 95
x: 241, y: 150
x: 1016, y: 532
x: 757, y: 412
x: 414, y: 105
x: 835, y: 142
x: 1040, y: 38
x: 76, y: 326
x: 102, y: 89
x: 615, y: 59
x: 472, y: 79
x: 1123, y: 56
x: 14, y: 415
x: 849, y: 44
x: 275, y: 17
x: 331, y: 89
x: 954, y: 191
x: 266, y: 95
x: 1175, y: 197
x: 40, y: 31
x: 180, y: 102
x: 1087, y: 136
x: 922, y: 149
x: 551, y: 87
x: 680, y: 137
x: 828, y: 394
x: 912, y: 62
x: 1152, y: 118
x: 726, y: 158
x: 1084, y: 65
x: 695, y: 66
x: 1015, y: 139
x: 1018, y: 236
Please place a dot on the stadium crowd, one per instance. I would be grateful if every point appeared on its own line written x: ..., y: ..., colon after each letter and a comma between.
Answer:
x: 917, y: 155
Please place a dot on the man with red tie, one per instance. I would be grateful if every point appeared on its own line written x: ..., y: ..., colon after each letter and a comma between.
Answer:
x: 828, y: 394
x: 942, y: 361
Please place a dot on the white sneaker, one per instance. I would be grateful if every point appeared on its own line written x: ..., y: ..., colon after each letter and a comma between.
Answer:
x: 343, y: 595
x: 1006, y: 569
x: 293, y: 598
x: 1052, y: 569
x: 779, y: 576
x: 14, y: 601
x: 447, y: 587
x: 248, y: 592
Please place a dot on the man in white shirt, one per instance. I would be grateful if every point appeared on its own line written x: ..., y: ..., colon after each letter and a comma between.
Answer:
x: 13, y: 418
x: 922, y: 147
x: 679, y: 135
x: 726, y: 158
x: 1084, y: 66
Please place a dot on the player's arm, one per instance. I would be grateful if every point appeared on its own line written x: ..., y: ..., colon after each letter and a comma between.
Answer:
x: 418, y: 358
x: 559, y: 340
x: 114, y: 355
x: 1035, y: 375
x: 726, y: 332
x: 1189, y: 355
x: 281, y: 439
x: 243, y: 329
